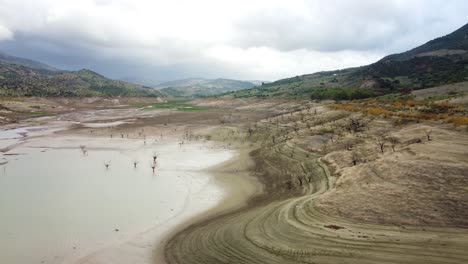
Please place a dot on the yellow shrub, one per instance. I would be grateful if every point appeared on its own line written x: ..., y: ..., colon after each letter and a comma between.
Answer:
x: 446, y: 105
x: 397, y: 105
x: 411, y: 103
x: 347, y: 107
x: 377, y: 111
x: 424, y: 116
x: 458, y: 120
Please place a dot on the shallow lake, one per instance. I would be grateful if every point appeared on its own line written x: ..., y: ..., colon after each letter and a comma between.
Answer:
x: 58, y: 201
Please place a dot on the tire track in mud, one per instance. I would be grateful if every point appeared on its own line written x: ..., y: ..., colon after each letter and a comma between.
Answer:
x: 284, y: 229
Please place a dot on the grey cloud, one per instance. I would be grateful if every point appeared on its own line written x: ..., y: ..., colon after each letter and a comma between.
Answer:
x: 110, y: 36
x: 66, y: 56
x: 351, y: 25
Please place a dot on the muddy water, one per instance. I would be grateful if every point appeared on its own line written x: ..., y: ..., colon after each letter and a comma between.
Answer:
x: 57, y: 202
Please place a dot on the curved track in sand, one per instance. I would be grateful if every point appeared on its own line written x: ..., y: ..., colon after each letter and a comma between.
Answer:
x: 286, y: 228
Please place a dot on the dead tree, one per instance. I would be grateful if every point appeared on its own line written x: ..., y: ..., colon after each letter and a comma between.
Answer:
x: 428, y: 135
x: 84, y: 151
x: 250, y: 131
x: 381, y: 142
x: 289, y: 185
x: 355, y: 158
x: 296, y: 128
x: 348, y: 145
x: 393, y: 142
x: 355, y: 125
x: 155, y: 156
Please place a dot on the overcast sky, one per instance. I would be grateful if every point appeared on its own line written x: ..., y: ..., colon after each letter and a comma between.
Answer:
x: 152, y: 40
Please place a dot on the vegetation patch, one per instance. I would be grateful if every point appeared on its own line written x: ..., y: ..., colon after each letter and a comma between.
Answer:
x: 409, y: 110
x: 36, y: 114
x: 334, y: 227
x: 179, y: 105
x: 342, y: 94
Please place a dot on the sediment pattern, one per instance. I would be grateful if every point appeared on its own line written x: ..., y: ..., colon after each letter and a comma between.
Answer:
x: 285, y: 228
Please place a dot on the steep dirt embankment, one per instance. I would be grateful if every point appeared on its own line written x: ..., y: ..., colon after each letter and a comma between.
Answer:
x: 284, y: 225
x: 422, y: 184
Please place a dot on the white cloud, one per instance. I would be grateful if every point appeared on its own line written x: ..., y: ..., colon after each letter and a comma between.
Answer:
x: 238, y: 39
x: 5, y: 33
x: 271, y: 63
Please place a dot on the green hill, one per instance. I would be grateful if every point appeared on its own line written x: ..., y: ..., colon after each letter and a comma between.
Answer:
x: 21, y: 79
x: 199, y: 87
x: 28, y: 63
x: 439, y: 61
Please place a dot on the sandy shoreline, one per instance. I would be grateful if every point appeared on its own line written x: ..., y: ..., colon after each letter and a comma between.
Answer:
x: 147, y: 247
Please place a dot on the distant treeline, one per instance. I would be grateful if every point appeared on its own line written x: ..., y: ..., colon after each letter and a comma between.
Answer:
x: 342, y: 93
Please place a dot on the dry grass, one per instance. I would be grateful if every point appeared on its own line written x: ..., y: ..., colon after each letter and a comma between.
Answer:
x: 409, y: 110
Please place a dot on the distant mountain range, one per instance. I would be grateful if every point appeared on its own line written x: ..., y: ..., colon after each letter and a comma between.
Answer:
x: 439, y: 61
x: 27, y: 63
x: 200, y: 87
x: 24, y: 77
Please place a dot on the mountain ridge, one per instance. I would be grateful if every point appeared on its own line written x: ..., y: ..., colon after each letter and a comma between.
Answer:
x: 24, y: 77
x: 4, y: 57
x: 202, y: 87
x: 439, y: 61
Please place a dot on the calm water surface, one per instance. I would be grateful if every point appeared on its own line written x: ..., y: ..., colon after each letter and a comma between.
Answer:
x: 57, y: 201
